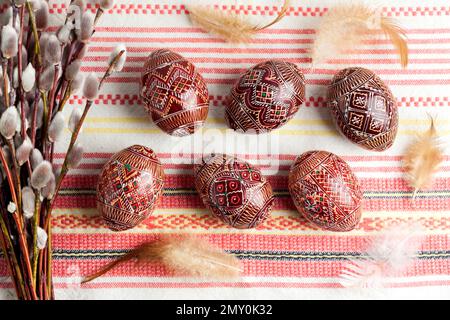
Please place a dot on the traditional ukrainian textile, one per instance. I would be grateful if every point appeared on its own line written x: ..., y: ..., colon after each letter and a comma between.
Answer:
x: 285, y: 257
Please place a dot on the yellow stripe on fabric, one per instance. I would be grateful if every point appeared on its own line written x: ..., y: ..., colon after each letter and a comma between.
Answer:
x: 221, y: 120
x: 283, y: 132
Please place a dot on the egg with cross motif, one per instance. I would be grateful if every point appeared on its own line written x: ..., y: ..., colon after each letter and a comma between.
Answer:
x: 265, y: 97
x: 325, y: 191
x: 129, y: 187
x: 363, y: 108
x: 174, y: 93
x: 235, y: 191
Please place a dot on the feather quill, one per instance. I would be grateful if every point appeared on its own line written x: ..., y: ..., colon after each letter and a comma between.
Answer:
x: 388, y: 254
x: 422, y: 158
x: 343, y: 27
x: 186, y: 255
x: 230, y: 26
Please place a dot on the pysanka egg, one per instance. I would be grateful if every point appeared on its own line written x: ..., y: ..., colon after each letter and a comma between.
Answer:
x: 129, y: 187
x: 363, y: 108
x: 234, y: 190
x: 174, y: 93
x: 266, y: 97
x: 325, y: 191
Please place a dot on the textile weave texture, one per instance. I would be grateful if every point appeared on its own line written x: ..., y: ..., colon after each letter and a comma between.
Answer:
x: 285, y: 257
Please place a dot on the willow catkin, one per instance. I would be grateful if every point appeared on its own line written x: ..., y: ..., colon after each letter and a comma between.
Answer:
x: 56, y: 127
x: 43, y: 40
x: 41, y: 16
x: 49, y: 190
x: 77, y: 83
x: 28, y: 199
x: 46, y: 79
x: 63, y: 34
x: 75, y: 117
x: 12, y: 207
x: 36, y: 158
x: 72, y: 69
x: 28, y: 78
x: 75, y: 155
x: 9, y: 42
x: 41, y: 175
x: 42, y: 238
x: 118, y: 66
x: 23, y: 152
x: 87, y: 26
x: 8, y: 122
x: 90, y: 86
x: 53, y: 52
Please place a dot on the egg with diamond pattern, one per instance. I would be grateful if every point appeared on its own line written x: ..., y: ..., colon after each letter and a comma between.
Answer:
x: 235, y: 191
x: 265, y: 97
x: 174, y: 93
x: 363, y: 108
x: 325, y: 191
x: 129, y: 187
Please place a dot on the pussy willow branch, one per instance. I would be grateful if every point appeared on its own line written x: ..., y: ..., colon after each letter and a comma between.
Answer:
x: 20, y: 231
x: 75, y: 133
x: 13, y: 264
x: 5, y: 81
x: 37, y: 48
x: 19, y: 69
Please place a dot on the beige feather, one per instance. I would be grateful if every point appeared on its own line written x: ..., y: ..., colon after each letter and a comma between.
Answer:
x: 423, y: 158
x: 184, y: 255
x: 344, y: 27
x: 229, y: 26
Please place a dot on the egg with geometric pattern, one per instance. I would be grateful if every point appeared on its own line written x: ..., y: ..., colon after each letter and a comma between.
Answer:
x: 363, y: 108
x: 174, y: 93
x: 129, y: 187
x: 326, y: 191
x: 235, y: 191
x: 265, y: 97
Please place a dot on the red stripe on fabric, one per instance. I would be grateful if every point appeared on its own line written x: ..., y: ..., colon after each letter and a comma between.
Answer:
x: 112, y: 99
x: 193, y: 202
x: 163, y: 155
x: 185, y: 181
x: 238, y: 241
x: 180, y: 9
x: 319, y: 82
x: 260, y: 268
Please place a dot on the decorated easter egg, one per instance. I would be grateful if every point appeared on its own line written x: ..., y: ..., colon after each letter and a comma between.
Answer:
x: 363, y: 108
x: 234, y: 190
x: 129, y: 187
x: 325, y: 191
x: 266, y: 97
x: 174, y: 93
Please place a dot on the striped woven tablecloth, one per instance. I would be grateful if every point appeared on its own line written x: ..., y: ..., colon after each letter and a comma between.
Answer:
x: 285, y: 258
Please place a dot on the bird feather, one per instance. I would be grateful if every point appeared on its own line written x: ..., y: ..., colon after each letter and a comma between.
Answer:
x: 344, y: 26
x: 230, y: 26
x: 184, y: 255
x: 388, y: 254
x: 422, y: 158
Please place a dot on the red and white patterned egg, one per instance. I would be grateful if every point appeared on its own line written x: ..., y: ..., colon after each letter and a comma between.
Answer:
x: 129, y: 187
x: 174, y: 93
x: 266, y: 97
x: 234, y: 190
x: 363, y: 108
x: 325, y: 191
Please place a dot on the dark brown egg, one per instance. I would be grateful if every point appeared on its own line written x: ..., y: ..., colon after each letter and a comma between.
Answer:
x: 266, y: 97
x: 325, y: 191
x: 174, y: 93
x: 129, y: 187
x: 234, y: 190
x: 363, y: 108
